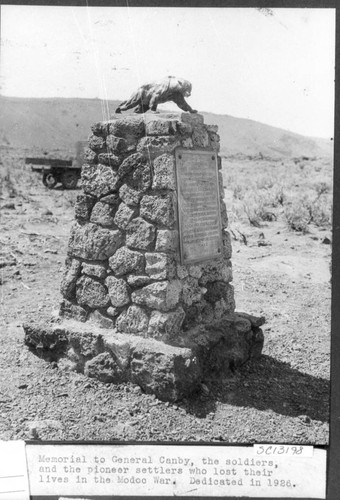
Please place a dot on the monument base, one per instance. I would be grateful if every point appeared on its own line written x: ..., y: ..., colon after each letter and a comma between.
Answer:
x: 147, y: 293
x: 171, y: 372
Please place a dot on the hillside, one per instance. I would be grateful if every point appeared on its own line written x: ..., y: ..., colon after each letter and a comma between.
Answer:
x: 58, y: 123
x: 248, y: 137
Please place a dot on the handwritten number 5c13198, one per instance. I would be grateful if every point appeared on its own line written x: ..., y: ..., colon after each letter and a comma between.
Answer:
x: 279, y: 450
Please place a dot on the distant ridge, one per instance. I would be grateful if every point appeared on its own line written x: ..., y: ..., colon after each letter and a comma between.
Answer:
x: 249, y: 137
x: 57, y: 123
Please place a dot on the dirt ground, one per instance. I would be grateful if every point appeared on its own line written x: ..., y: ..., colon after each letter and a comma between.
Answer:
x: 281, y: 274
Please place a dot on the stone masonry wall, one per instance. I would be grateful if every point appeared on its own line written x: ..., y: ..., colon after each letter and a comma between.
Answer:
x: 130, y: 311
x: 123, y: 269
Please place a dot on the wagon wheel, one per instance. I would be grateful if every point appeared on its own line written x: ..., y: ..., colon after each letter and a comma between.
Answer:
x: 49, y: 180
x: 69, y: 179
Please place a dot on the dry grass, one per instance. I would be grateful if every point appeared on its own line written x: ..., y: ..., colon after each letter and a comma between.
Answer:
x: 297, y: 190
x: 16, y: 178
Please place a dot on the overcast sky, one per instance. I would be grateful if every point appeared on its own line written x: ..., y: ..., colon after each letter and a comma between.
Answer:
x: 275, y: 66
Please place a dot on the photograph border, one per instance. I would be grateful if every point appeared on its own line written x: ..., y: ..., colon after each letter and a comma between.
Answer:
x: 333, y: 449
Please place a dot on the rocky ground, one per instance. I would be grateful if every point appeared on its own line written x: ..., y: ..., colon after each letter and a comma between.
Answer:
x: 281, y: 274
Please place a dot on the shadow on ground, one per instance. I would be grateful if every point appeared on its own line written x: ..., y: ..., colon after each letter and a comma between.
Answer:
x: 267, y: 384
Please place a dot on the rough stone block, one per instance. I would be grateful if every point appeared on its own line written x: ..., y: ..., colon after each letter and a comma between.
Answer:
x: 100, y: 128
x: 242, y: 325
x: 140, y: 176
x: 167, y: 241
x: 109, y: 159
x: 214, y: 141
x: 86, y: 342
x: 167, y: 371
x: 93, y: 242
x: 91, y: 293
x: 97, y: 143
x: 227, y: 272
x: 90, y: 156
x: 158, y: 209
x: 103, y: 368
x: 224, y: 346
x: 153, y: 146
x: 160, y: 266
x: 217, y: 290
x: 140, y: 234
x: 214, y: 138
x: 131, y: 129
x: 69, y: 280
x: 70, y: 310
x: 200, y: 137
x: 129, y: 163
x: 97, y: 270
x: 184, y: 128
x: 220, y: 185
x: 133, y: 320
x: 130, y: 196
x: 224, y: 215
x: 182, y: 271
x: 99, y: 319
x: 187, y: 143
x: 44, y: 338
x: 255, y: 321
x: 160, y: 126
x: 212, y: 129
x: 226, y: 242
x: 192, y: 292
x: 216, y: 271
x: 111, y: 199
x: 83, y: 207
x: 195, y: 271
x: 103, y: 214
x: 225, y: 305
x: 120, y: 348
x: 162, y: 295
x: 164, y: 172
x: 99, y: 180
x: 118, y: 291
x: 166, y: 324
x: 116, y: 145
x: 126, y: 261
x: 124, y: 215
x: 72, y: 361
x: 139, y: 280
x: 195, y: 119
x: 112, y: 311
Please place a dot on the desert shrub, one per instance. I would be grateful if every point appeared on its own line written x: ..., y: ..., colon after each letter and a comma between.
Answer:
x: 279, y: 196
x: 265, y: 182
x: 7, y: 183
x: 322, y: 187
x: 301, y: 212
x: 297, y: 215
x: 322, y: 213
x: 257, y: 211
x: 261, y: 191
x: 239, y: 191
x: 274, y: 197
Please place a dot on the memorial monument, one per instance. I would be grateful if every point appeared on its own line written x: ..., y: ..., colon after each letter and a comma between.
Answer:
x: 146, y: 293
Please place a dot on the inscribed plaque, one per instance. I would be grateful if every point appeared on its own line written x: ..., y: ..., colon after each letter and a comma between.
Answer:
x: 199, y: 213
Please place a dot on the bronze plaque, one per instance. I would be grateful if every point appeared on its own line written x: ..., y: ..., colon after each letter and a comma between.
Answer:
x: 199, y: 214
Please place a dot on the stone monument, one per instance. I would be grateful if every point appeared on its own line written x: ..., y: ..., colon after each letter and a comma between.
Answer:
x: 146, y: 289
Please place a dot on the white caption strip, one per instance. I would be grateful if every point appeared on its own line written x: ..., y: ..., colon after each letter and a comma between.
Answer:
x: 13, y: 471
x: 122, y: 470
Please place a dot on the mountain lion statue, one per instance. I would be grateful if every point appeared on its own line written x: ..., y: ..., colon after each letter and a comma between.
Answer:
x: 148, y: 96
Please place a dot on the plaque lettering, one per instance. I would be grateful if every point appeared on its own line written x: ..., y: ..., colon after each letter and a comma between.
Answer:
x: 199, y: 213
